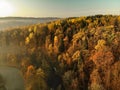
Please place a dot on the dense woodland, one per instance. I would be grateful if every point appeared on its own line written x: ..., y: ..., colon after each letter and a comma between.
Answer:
x: 77, y: 53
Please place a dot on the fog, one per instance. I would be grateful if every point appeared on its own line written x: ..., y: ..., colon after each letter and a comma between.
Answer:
x: 9, y: 51
x: 6, y: 23
x: 11, y: 78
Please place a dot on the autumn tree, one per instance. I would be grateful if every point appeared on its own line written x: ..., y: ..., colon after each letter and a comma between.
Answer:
x: 96, y: 82
x: 103, y: 57
x: 116, y: 25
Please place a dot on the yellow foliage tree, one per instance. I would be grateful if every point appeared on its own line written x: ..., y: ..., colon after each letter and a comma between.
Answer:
x: 27, y: 40
x: 100, y: 45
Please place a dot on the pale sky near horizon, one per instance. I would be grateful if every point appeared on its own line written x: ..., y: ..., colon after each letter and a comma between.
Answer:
x: 60, y: 8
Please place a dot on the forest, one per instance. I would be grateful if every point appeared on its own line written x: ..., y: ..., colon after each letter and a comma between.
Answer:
x: 76, y: 53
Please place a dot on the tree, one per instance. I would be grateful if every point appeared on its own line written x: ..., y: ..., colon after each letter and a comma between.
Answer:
x: 103, y: 57
x: 56, y: 42
x: 30, y: 72
x: 67, y: 77
x: 116, y: 25
x: 61, y: 46
x: 27, y: 40
x: 96, y: 82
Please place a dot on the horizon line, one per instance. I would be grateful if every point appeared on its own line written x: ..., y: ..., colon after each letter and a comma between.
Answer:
x: 55, y: 16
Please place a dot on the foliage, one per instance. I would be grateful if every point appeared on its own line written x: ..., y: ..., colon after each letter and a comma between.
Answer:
x: 81, y: 53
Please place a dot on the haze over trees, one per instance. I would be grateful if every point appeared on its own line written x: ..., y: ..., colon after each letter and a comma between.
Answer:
x: 79, y: 53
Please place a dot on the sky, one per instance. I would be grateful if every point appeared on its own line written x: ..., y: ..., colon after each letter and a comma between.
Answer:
x: 59, y: 8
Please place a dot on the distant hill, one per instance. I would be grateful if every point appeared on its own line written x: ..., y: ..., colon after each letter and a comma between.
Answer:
x: 12, y: 22
x: 49, y: 18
